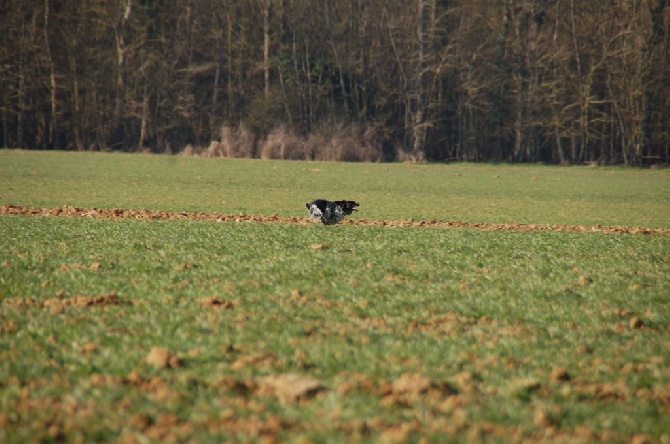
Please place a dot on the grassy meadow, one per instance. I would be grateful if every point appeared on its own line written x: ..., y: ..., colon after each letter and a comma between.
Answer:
x: 460, y: 192
x: 176, y: 330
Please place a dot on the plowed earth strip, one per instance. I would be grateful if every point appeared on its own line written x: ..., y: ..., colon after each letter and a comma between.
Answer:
x: 120, y: 213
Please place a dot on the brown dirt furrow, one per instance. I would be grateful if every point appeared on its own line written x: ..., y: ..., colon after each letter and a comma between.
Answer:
x: 121, y: 213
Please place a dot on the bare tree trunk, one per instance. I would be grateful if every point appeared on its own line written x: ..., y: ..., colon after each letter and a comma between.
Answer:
x: 214, y: 113
x: 555, y: 104
x: 499, y: 86
x: 144, y: 120
x: 518, y: 122
x: 518, y: 82
x: 656, y: 133
x: 419, y: 127
x: 229, y: 48
x: 119, y: 103
x: 306, y: 67
x: 75, y: 119
x: 52, y: 78
x: 20, y: 90
x: 299, y: 88
x: 5, y: 130
x: 267, y: 10
x: 583, y: 92
x: 337, y: 58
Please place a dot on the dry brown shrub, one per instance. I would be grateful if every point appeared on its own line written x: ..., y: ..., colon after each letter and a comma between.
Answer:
x: 190, y: 150
x: 337, y: 141
x: 237, y: 141
x: 214, y: 150
x: 282, y: 144
x: 330, y: 141
x: 317, y: 146
x: 402, y: 155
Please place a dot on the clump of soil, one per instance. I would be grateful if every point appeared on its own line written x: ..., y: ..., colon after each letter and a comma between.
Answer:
x: 290, y: 387
x: 161, y: 357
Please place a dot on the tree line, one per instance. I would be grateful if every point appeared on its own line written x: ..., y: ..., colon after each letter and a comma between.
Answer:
x: 560, y: 81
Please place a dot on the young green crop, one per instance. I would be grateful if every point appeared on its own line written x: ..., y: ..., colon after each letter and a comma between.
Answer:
x: 409, y: 332
x: 487, y: 317
x: 459, y: 192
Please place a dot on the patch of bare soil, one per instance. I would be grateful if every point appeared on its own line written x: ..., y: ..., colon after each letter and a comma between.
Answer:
x: 217, y: 303
x: 59, y: 303
x: 120, y: 213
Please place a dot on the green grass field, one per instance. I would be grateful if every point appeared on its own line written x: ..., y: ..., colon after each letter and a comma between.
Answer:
x: 460, y: 192
x: 287, y: 332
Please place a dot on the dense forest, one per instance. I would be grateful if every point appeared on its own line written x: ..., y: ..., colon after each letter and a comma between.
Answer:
x: 561, y: 81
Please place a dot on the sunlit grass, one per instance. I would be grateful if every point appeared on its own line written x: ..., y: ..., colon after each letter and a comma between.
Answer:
x: 461, y: 192
x: 484, y: 312
x: 489, y: 317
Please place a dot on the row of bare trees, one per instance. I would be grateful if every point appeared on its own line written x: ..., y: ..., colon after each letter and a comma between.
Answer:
x: 564, y: 81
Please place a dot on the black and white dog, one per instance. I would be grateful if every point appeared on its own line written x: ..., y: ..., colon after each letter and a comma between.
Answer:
x: 330, y: 213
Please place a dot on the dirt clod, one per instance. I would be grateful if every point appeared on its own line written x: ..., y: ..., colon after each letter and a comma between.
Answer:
x: 636, y: 323
x: 161, y: 357
x: 411, y: 384
x: 217, y: 303
x: 559, y: 374
x: 290, y: 387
